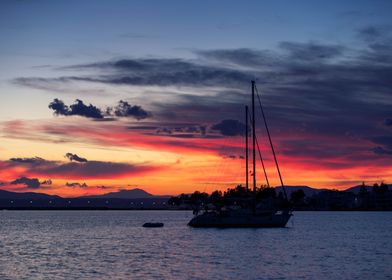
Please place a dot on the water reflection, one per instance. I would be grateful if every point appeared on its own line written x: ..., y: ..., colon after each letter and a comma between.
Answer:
x: 113, y: 244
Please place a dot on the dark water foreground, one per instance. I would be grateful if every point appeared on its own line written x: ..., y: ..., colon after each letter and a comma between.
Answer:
x: 113, y: 245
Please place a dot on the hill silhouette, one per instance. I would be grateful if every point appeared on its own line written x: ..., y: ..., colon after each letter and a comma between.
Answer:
x: 26, y: 195
x: 308, y: 191
x: 356, y: 189
x: 124, y: 194
x: 138, y: 193
x: 124, y: 199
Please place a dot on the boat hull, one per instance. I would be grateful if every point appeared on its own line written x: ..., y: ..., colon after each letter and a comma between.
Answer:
x: 152, y: 225
x: 208, y: 220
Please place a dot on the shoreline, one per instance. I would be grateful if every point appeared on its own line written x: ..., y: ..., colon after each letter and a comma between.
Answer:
x: 153, y: 209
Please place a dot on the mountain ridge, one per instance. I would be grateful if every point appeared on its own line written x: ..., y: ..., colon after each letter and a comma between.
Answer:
x: 26, y: 195
x: 138, y: 193
x: 124, y: 194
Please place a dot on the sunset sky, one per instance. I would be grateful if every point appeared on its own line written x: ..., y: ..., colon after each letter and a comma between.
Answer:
x: 98, y: 96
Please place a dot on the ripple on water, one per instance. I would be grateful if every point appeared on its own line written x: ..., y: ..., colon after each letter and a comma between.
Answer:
x: 112, y: 244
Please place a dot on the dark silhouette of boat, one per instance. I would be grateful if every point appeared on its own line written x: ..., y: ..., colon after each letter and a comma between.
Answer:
x: 250, y: 215
x: 242, y: 218
x: 153, y: 225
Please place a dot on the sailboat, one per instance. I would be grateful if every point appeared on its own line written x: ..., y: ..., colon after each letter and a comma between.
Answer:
x: 250, y: 216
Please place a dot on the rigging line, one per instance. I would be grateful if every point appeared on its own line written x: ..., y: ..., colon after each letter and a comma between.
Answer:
x: 261, y: 158
x: 262, y: 162
x: 272, y: 146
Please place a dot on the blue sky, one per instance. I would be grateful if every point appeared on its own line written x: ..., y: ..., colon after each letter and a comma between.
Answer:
x: 83, y: 29
x: 35, y: 34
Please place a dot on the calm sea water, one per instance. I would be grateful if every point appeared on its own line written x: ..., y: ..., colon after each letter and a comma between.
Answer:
x: 113, y: 245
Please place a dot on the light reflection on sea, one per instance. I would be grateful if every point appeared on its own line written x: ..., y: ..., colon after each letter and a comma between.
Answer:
x: 112, y: 244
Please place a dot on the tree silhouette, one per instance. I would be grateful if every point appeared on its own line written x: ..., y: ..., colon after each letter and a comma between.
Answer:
x: 363, y: 189
x: 297, y: 196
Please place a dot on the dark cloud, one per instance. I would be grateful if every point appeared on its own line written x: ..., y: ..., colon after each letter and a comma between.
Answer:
x: 230, y: 127
x: 183, y: 135
x: 373, y: 33
x: 185, y: 131
x: 264, y: 60
x: 381, y: 151
x: 326, y: 149
x: 46, y: 182
x: 76, y: 185
x: 52, y: 84
x: 33, y: 160
x: 385, y: 143
x: 92, y: 169
x: 249, y: 58
x: 311, y: 52
x: 162, y: 72
x: 383, y: 140
x: 196, y: 108
x: 78, y: 170
x: 31, y: 183
x: 143, y: 127
x: 80, y: 109
x: 75, y: 157
x: 388, y: 122
x: 164, y: 130
x: 59, y: 107
x: 203, y: 129
x: 104, y: 187
x: 76, y: 109
x: 124, y: 109
x: 234, y: 156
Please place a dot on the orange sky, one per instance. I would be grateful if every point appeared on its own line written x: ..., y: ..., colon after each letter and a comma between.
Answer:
x: 118, y: 157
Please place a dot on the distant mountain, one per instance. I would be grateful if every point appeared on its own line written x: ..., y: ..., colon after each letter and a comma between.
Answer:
x: 356, y: 189
x: 26, y: 195
x: 124, y: 194
x: 141, y: 194
x: 307, y: 190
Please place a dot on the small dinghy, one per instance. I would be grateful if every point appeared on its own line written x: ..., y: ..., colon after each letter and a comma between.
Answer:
x: 153, y: 225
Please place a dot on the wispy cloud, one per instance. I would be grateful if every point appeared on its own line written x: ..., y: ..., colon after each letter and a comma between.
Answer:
x: 74, y: 170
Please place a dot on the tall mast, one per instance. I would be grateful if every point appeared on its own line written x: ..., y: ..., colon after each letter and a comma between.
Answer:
x: 246, y: 148
x: 254, y: 137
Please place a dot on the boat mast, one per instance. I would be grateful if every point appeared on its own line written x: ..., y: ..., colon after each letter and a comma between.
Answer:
x: 246, y: 148
x: 254, y: 137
